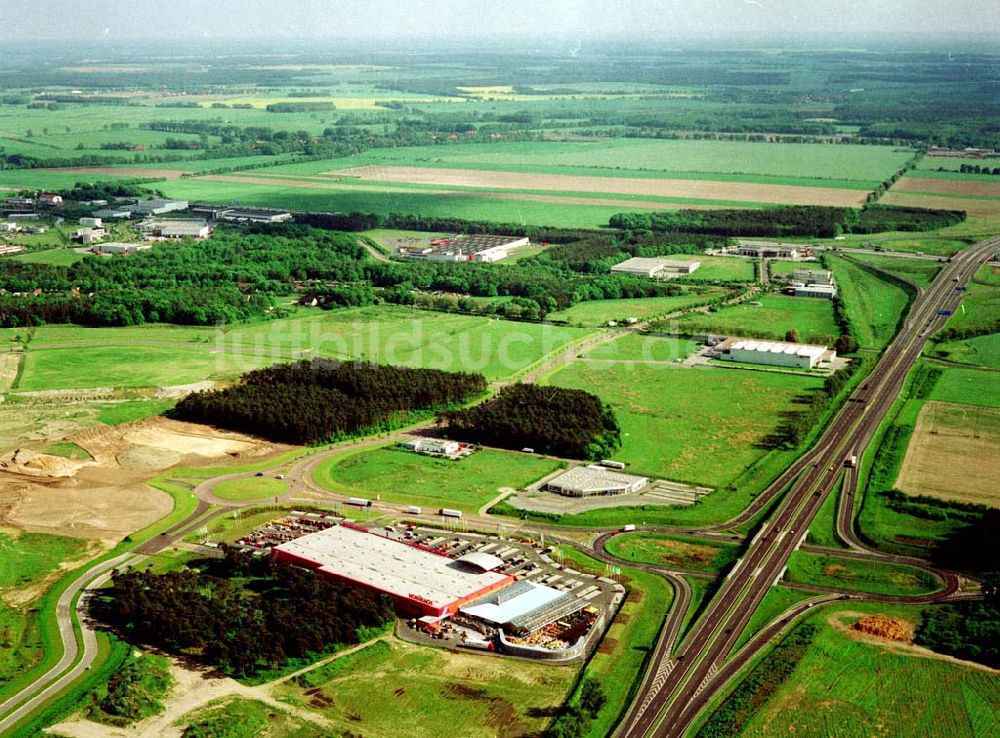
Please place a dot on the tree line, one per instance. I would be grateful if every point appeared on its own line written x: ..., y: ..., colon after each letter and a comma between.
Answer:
x: 321, y: 400
x: 237, y: 624
x: 550, y: 420
x: 795, y: 220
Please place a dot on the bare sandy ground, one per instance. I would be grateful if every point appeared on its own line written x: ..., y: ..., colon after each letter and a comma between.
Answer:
x: 947, y: 438
x: 698, y: 189
x: 108, y: 498
x: 975, y: 208
x: 948, y: 186
x: 9, y: 364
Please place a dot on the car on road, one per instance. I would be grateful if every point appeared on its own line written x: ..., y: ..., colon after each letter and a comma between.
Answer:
x: 259, y: 474
x: 279, y: 476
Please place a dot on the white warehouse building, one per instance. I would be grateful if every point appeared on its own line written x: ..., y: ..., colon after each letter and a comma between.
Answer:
x: 595, y: 481
x: 655, y: 268
x: 778, y: 353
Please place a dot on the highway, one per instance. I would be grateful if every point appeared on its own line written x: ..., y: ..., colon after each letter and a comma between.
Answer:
x: 677, y: 685
x: 667, y: 707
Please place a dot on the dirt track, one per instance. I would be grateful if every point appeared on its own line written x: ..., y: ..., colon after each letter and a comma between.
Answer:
x: 696, y: 189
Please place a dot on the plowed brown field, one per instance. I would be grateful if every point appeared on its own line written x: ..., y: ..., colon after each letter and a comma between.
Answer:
x: 948, y: 186
x: 696, y: 189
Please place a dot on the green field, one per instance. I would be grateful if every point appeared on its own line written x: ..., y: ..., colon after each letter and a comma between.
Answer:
x: 873, y: 306
x: 394, y: 688
x: 981, y: 304
x: 696, y: 425
x: 55, y: 257
x: 722, y: 268
x: 133, y: 366
x: 919, y: 271
x: 684, y: 552
x: 29, y: 563
x: 640, y: 347
x: 777, y: 600
x: 857, y: 575
x: 240, y: 717
x: 386, y: 201
x: 855, y: 688
x: 978, y: 351
x: 398, y: 475
x: 811, y: 317
x: 62, y: 357
x: 842, y: 166
x: 968, y: 387
x: 599, y: 312
x: 250, y: 488
x: 943, y: 243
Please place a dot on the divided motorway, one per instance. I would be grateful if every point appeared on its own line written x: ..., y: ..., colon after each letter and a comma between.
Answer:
x: 667, y: 706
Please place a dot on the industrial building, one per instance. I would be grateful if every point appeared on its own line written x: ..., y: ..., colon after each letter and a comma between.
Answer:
x: 161, y: 228
x: 812, y: 283
x: 812, y: 276
x: 113, y: 213
x: 523, y: 607
x: 89, y: 235
x: 255, y: 215
x: 595, y: 481
x: 480, y: 247
x: 421, y: 583
x: 775, y: 353
x: 768, y: 250
x: 655, y: 268
x: 116, y: 247
x: 827, y: 291
x: 92, y: 222
x: 438, y: 447
x: 158, y: 206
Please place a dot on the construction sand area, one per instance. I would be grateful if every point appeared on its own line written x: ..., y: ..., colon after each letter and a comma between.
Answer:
x: 952, y: 454
x: 108, y: 497
x: 695, y: 189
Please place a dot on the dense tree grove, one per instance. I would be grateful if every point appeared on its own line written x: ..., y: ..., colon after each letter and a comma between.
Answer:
x: 968, y: 630
x: 320, y: 400
x: 228, y: 278
x: 820, y: 222
x: 238, y: 626
x: 881, y: 218
x: 551, y: 420
x: 234, y: 275
x: 797, y: 220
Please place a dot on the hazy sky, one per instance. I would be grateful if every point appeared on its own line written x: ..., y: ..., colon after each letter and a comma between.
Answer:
x: 94, y: 19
